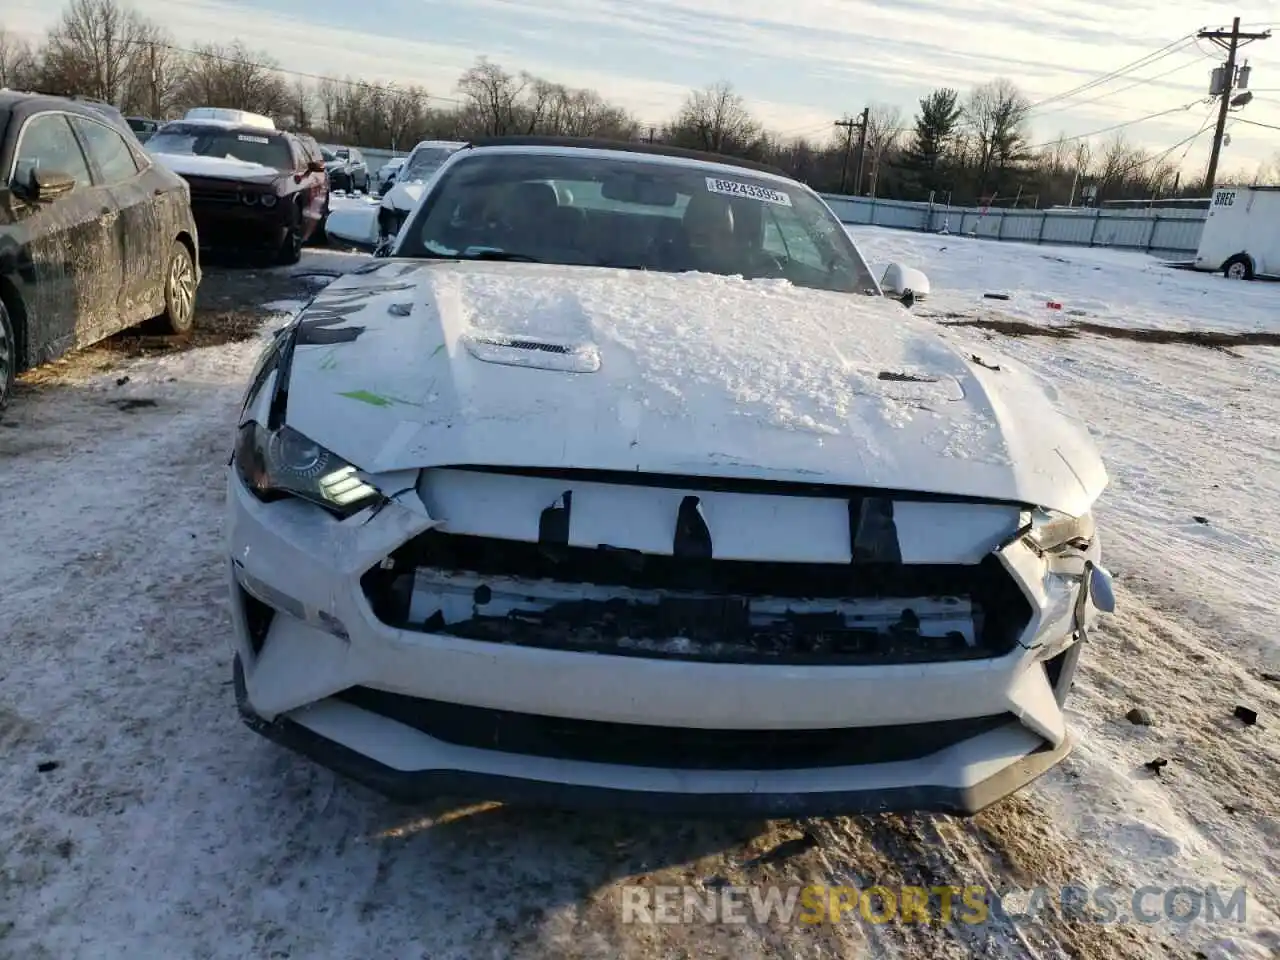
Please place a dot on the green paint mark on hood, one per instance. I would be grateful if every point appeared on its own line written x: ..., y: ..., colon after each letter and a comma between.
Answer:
x: 375, y: 399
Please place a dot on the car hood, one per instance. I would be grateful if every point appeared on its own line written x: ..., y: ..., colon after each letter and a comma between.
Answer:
x: 218, y: 168
x: 403, y: 196
x: 409, y: 364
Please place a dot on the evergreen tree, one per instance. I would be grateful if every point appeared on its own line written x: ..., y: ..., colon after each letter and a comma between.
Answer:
x: 927, y: 153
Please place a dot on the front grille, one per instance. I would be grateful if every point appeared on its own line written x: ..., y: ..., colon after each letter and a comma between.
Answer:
x: 216, y: 197
x: 693, y: 608
x: 637, y: 745
x: 217, y: 193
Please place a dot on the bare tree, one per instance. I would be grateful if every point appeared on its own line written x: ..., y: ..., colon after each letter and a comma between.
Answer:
x: 97, y: 48
x: 1268, y: 172
x: 884, y: 133
x: 232, y: 76
x: 996, y: 114
x: 153, y: 87
x: 715, y: 119
x: 491, y: 98
x: 17, y: 61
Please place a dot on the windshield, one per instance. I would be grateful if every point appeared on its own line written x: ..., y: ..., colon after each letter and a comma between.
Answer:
x: 199, y: 141
x: 424, y: 162
x: 638, y: 214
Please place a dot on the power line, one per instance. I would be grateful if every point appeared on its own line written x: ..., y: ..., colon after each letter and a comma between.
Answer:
x: 364, y: 84
x: 1118, y: 126
x: 1255, y: 123
x: 1138, y: 83
x: 1167, y: 50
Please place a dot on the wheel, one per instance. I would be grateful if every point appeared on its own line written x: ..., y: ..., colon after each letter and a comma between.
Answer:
x: 8, y: 357
x: 290, y: 251
x: 1239, y: 267
x: 320, y: 238
x: 179, y: 290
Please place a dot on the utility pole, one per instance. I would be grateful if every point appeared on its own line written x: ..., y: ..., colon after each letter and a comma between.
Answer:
x: 1231, y: 41
x: 848, y: 126
x: 1075, y: 177
x: 862, y: 149
x: 155, y: 85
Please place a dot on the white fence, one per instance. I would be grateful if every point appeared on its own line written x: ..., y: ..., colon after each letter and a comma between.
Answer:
x: 1169, y: 232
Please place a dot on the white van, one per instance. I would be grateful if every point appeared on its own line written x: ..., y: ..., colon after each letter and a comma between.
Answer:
x: 1241, y: 235
x: 226, y: 115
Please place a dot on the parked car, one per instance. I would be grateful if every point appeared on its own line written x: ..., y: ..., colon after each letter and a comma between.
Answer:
x: 622, y: 482
x: 142, y: 127
x: 398, y: 201
x: 252, y: 188
x: 346, y: 168
x: 387, y: 173
x: 94, y: 237
x: 314, y: 155
x: 243, y: 118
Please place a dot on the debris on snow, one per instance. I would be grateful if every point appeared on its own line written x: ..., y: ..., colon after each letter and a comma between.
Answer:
x: 1156, y: 765
x: 1139, y: 717
x: 1245, y: 715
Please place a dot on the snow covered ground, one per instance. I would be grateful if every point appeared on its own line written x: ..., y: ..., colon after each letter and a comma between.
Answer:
x: 1114, y: 287
x: 143, y: 819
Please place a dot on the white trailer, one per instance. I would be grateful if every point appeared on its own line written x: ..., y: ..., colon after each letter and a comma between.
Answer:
x: 1241, y: 235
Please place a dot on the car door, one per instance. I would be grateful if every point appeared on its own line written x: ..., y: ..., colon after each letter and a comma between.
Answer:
x: 359, y: 171
x: 138, y: 236
x: 66, y: 244
x: 314, y: 184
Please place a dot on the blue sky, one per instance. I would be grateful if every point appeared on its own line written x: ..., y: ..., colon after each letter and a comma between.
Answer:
x: 800, y: 63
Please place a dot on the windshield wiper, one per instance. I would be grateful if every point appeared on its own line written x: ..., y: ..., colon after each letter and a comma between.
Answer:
x: 496, y: 255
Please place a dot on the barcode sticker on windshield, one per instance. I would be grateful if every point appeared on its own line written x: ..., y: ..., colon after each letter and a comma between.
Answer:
x: 733, y: 188
x: 248, y: 139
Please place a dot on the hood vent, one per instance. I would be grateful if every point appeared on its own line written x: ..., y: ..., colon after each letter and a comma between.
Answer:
x: 526, y: 351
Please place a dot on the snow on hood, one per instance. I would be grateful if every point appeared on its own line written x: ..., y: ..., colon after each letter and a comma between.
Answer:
x: 402, y: 196
x: 228, y: 168
x: 428, y: 363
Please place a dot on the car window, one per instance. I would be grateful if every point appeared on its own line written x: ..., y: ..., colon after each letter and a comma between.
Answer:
x: 250, y: 146
x: 424, y: 161
x: 782, y: 239
x: 107, y: 149
x: 48, y: 144
x: 644, y: 214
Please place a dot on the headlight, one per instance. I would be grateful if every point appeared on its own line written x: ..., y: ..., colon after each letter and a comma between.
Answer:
x: 275, y: 463
x: 268, y: 200
x: 1049, y: 531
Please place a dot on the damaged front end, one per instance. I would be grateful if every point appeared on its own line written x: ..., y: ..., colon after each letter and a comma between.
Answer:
x: 883, y: 587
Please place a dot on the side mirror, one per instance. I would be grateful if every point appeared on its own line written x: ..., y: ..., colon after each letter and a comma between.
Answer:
x: 357, y: 227
x: 905, y: 284
x: 45, y: 186
x: 315, y: 166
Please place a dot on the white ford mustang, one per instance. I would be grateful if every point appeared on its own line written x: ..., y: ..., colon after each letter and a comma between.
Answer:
x: 622, y: 482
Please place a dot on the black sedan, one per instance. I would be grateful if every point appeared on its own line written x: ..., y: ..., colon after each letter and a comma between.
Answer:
x: 94, y: 236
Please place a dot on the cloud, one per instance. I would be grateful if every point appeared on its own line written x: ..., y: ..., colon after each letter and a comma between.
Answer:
x: 800, y: 64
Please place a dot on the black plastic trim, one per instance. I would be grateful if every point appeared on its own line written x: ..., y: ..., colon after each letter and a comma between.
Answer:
x: 417, y: 786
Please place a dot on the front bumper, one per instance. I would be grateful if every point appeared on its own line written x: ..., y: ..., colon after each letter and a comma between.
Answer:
x: 228, y: 225
x: 295, y: 679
